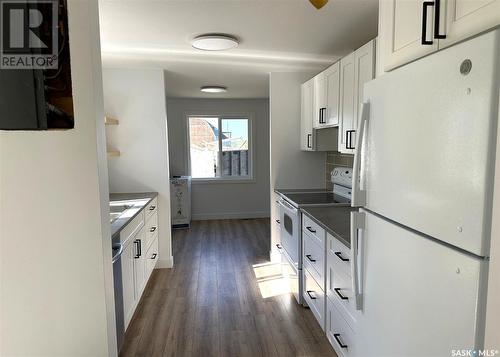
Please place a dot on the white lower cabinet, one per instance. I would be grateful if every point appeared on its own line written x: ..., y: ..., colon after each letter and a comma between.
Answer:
x: 338, y: 332
x: 315, y: 296
x: 139, y: 257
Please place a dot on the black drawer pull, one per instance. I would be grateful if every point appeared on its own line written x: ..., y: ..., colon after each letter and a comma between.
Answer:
x: 153, y: 256
x: 278, y: 246
x: 152, y: 229
x: 337, y: 335
x: 152, y: 208
x: 308, y: 256
x: 310, y: 230
x: 278, y: 221
x: 309, y: 293
x: 139, y: 248
x: 339, y: 255
x: 337, y: 290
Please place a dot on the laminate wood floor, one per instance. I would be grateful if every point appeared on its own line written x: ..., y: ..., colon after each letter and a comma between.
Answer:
x: 222, y: 298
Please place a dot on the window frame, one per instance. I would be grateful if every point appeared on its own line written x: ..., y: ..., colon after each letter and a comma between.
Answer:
x: 250, y: 178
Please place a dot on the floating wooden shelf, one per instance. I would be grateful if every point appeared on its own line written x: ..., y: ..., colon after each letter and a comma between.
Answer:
x: 111, y: 121
x: 113, y: 153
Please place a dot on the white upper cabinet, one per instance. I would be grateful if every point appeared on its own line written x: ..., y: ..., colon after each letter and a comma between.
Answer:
x: 410, y: 29
x: 402, y: 28
x: 332, y: 79
x: 355, y: 70
x: 465, y: 18
x: 347, y: 106
x: 319, y: 100
x: 306, y: 117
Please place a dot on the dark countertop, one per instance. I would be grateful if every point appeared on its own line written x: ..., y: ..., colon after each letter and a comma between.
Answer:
x: 138, y: 200
x: 285, y: 191
x: 336, y: 220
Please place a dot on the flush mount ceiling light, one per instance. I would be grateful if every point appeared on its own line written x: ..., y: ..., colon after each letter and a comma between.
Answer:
x: 318, y: 4
x: 213, y: 89
x: 214, y: 42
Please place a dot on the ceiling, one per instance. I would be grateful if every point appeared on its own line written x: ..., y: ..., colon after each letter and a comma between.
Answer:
x: 275, y: 36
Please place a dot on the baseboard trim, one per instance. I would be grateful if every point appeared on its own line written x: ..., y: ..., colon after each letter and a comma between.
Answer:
x: 165, y: 263
x: 230, y: 215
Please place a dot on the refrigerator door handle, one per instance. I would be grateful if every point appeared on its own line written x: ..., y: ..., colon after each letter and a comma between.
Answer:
x: 357, y: 223
x: 358, y: 195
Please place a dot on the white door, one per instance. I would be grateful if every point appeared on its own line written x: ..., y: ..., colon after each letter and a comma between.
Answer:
x: 319, y: 111
x: 401, y: 27
x: 332, y: 79
x: 127, y: 265
x: 347, y: 103
x: 419, y: 297
x: 429, y: 140
x: 466, y: 18
x: 140, y: 263
x: 306, y: 120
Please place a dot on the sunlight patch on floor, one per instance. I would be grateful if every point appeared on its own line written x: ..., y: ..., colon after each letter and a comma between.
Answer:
x: 270, y: 279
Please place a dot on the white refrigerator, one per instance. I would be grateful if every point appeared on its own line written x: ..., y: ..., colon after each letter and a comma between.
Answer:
x: 423, y: 179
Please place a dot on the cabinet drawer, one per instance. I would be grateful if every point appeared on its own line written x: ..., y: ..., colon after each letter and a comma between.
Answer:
x: 152, y: 207
x: 151, y: 229
x: 338, y: 256
x: 338, y: 332
x: 313, y: 229
x: 315, y: 298
x: 314, y: 258
x: 339, y: 290
x: 151, y: 257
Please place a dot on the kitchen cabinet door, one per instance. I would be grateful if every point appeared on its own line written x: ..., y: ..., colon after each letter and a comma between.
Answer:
x: 127, y: 267
x: 332, y: 80
x: 466, y: 18
x: 401, y: 26
x: 347, y: 102
x: 306, y: 119
x: 140, y: 263
x: 319, y: 115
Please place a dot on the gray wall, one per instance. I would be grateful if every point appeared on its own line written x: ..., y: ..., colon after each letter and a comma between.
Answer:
x: 223, y: 200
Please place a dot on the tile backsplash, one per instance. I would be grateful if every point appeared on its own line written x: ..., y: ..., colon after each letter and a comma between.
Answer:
x: 334, y: 158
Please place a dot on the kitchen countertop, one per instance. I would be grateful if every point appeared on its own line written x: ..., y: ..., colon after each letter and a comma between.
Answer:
x: 334, y: 219
x: 285, y: 191
x: 137, y: 200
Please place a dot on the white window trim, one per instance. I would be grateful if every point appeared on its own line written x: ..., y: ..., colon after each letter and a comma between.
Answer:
x: 252, y: 157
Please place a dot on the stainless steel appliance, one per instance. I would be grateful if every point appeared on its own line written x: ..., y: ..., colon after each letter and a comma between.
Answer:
x: 118, y: 289
x: 291, y: 223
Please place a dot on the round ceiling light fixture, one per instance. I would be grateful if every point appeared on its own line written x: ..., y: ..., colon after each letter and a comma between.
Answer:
x: 214, y: 42
x: 213, y: 89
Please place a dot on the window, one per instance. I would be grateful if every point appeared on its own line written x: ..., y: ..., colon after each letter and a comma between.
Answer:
x: 220, y: 147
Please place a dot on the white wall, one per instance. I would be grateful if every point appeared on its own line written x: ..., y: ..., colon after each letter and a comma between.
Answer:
x: 56, y: 273
x: 223, y: 200
x: 136, y: 97
x: 290, y: 167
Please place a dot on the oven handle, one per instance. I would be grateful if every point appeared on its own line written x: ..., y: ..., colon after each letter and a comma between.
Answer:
x: 288, y: 206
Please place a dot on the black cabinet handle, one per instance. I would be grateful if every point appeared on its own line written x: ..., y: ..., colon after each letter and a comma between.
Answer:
x: 152, y: 208
x: 152, y: 229
x: 339, y: 255
x: 308, y: 256
x: 137, y: 243
x: 437, y: 15
x: 322, y: 116
x: 337, y: 290
x: 309, y: 137
x: 278, y: 221
x: 310, y: 230
x: 348, y: 139
x: 309, y: 293
x: 278, y: 246
x: 154, y: 256
x: 336, y: 336
x: 425, y: 7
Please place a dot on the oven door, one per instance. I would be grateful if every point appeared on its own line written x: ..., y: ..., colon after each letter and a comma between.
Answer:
x: 290, y: 232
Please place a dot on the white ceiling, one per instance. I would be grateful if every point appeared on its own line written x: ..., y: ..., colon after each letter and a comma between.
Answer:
x: 275, y: 36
